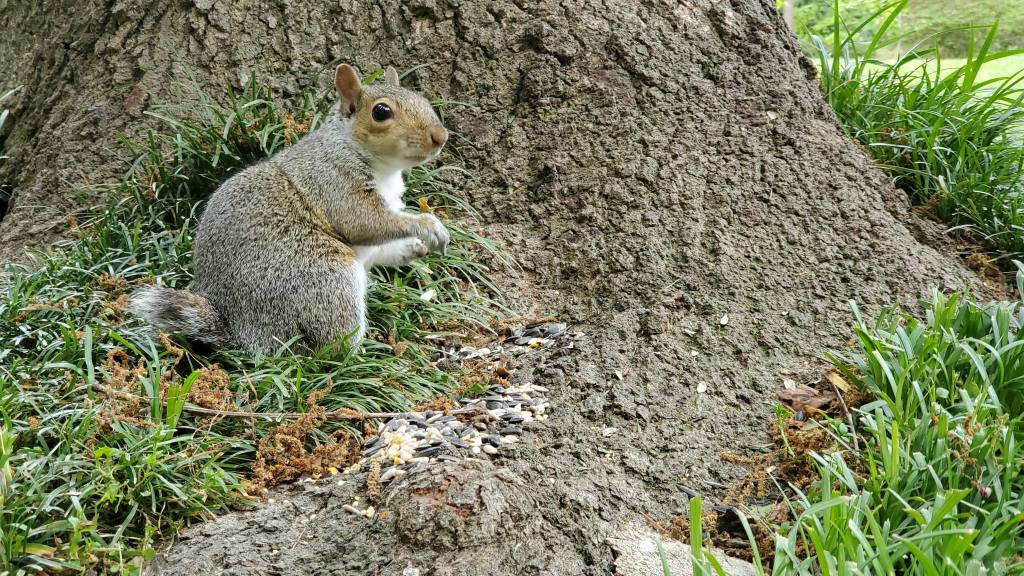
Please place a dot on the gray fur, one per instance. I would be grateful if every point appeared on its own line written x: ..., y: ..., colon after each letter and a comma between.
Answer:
x: 273, y: 251
x: 171, y: 310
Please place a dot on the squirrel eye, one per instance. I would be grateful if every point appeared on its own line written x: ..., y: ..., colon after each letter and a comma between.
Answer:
x: 382, y: 112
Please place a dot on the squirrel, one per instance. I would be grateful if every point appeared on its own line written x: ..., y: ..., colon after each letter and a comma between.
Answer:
x: 283, y: 247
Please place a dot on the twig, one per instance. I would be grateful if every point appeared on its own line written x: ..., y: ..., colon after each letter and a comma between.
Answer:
x: 334, y: 415
x: 846, y: 410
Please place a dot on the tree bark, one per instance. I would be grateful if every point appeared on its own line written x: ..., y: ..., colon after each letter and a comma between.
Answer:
x: 652, y: 167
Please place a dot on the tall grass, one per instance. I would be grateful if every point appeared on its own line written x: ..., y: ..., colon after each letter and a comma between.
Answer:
x: 950, y: 140
x: 89, y: 482
x: 935, y: 483
x: 938, y: 487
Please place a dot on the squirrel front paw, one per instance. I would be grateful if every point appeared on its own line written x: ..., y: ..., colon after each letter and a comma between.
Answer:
x: 433, y: 232
x: 413, y: 249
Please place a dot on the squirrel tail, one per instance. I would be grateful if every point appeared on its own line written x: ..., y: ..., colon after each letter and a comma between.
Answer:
x: 178, y: 310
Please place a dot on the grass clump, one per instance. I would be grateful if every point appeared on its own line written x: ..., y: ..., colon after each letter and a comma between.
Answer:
x: 934, y: 483
x: 97, y: 456
x: 950, y: 139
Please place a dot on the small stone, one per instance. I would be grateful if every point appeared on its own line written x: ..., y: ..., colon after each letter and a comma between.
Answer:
x: 609, y: 431
x: 724, y: 319
x: 391, y: 474
x: 492, y: 440
x: 351, y: 509
x: 489, y: 449
x: 511, y: 431
x: 702, y: 388
x: 509, y: 439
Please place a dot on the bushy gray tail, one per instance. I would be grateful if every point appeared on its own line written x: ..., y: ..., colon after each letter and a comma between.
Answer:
x: 180, y: 311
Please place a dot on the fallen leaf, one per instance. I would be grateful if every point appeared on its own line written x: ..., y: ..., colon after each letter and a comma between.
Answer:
x: 838, y: 380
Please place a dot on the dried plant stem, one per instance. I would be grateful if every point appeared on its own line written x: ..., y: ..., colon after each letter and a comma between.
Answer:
x: 335, y: 415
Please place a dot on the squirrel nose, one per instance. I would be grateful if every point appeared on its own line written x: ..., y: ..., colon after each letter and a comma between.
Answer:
x: 438, y: 136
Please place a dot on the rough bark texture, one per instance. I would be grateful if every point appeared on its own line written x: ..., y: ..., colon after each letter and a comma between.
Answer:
x: 652, y: 166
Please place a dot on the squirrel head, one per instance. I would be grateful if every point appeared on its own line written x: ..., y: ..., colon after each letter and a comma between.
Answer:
x: 398, y: 127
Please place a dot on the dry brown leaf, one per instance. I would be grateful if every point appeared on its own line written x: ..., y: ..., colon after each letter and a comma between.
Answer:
x: 838, y: 381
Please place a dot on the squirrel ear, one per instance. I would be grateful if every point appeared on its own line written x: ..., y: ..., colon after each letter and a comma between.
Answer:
x: 349, y: 87
x: 391, y: 77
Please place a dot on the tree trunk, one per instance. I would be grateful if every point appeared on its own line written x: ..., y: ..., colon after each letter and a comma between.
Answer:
x: 652, y: 166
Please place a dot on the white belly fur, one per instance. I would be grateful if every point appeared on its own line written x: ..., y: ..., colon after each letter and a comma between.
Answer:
x: 391, y: 187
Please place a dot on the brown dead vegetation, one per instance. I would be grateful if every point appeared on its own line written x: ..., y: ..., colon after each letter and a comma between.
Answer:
x: 281, y: 455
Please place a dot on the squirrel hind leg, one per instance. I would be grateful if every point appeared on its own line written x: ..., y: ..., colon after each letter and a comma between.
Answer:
x: 340, y: 309
x: 180, y: 311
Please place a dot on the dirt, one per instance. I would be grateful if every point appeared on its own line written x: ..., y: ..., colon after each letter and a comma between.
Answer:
x: 649, y: 167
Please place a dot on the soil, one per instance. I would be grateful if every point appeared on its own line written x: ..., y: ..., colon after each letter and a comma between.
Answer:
x: 652, y: 168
